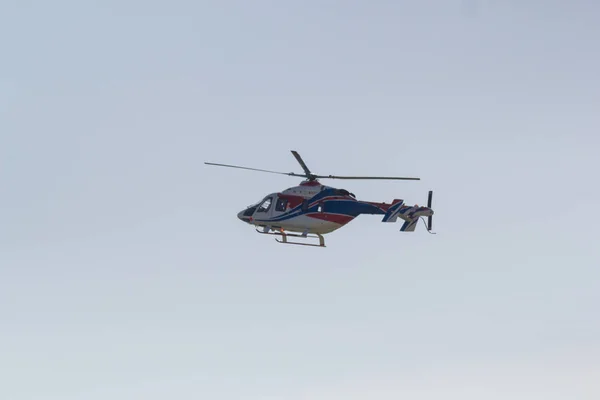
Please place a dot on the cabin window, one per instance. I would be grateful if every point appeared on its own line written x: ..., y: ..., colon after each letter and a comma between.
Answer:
x: 320, y: 208
x: 281, y: 204
x: 264, y: 207
x: 305, y: 205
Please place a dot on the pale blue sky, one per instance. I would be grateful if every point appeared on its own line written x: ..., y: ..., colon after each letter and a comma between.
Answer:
x: 125, y: 274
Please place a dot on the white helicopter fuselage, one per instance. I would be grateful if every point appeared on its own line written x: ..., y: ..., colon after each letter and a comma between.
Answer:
x: 284, y: 210
x: 319, y: 209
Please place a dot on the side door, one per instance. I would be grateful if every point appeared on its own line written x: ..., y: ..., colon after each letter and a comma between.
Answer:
x: 281, y: 205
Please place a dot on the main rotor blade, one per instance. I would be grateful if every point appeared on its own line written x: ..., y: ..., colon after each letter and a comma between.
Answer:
x: 302, y: 164
x: 368, y: 177
x: 254, y: 169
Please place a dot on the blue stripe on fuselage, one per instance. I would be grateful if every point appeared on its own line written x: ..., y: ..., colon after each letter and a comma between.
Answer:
x: 351, y: 207
x: 347, y: 206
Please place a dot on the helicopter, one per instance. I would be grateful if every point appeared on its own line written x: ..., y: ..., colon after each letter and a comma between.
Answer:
x: 311, y: 209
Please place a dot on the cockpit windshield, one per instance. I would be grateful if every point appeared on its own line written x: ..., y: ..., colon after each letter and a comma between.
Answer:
x: 265, y: 205
x: 249, y: 211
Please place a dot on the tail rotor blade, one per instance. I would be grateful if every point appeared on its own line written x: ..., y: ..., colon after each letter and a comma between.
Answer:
x: 429, y: 218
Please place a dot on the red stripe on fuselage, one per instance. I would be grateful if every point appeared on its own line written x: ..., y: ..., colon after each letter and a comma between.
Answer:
x: 336, y: 218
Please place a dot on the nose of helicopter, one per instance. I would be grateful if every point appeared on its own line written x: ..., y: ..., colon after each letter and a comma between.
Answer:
x: 243, y: 217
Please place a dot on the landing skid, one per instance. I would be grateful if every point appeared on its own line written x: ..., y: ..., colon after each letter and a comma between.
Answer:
x: 285, y: 236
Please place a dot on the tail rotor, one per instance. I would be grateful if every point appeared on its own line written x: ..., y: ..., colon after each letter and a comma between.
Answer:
x: 430, y: 216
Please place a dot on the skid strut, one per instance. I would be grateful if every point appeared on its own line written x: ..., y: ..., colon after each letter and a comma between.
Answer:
x: 284, y: 237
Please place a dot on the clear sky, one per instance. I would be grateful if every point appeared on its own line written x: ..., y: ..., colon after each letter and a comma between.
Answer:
x: 125, y: 274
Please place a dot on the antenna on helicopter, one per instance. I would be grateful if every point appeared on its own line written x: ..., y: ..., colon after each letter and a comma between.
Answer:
x: 313, y: 177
